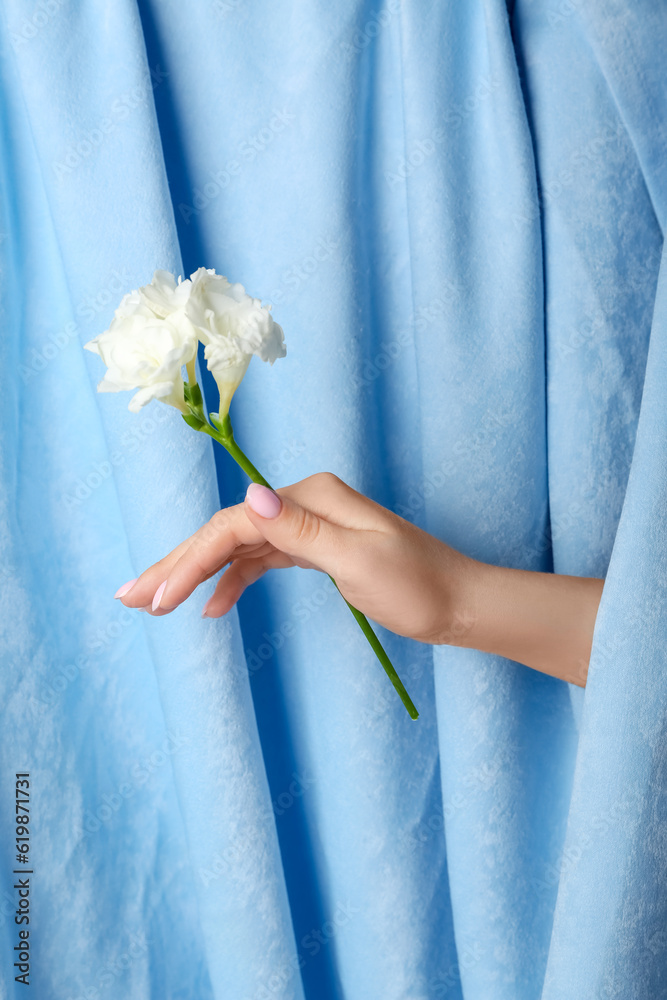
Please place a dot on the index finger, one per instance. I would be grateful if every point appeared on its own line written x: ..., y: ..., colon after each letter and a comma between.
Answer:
x: 227, y: 535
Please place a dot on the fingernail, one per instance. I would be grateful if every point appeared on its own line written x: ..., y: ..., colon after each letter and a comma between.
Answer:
x: 204, y: 610
x: 158, y: 596
x: 122, y: 591
x: 263, y: 501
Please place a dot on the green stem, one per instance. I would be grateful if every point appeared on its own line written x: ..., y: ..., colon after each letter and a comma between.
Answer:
x: 226, y: 439
x: 222, y: 433
x: 379, y: 651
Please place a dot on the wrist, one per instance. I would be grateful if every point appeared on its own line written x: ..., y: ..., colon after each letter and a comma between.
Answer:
x: 465, y: 585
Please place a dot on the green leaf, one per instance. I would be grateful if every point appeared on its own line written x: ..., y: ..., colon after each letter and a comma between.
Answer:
x: 195, y: 396
x: 193, y: 421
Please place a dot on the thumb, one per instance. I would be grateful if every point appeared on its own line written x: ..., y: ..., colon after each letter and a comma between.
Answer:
x: 295, y: 530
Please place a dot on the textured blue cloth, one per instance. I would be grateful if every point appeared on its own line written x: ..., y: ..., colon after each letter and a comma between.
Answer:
x: 457, y: 209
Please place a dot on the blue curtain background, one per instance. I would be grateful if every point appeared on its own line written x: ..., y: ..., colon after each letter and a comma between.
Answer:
x: 457, y: 210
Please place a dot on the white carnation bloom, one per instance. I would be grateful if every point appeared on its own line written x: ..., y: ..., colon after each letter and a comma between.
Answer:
x: 232, y: 326
x: 149, y: 340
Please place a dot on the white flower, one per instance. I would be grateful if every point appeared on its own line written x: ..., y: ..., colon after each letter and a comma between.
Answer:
x: 232, y: 326
x: 149, y: 340
x: 156, y: 328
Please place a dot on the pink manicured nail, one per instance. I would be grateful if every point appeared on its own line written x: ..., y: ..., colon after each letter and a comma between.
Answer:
x: 263, y: 501
x: 122, y: 591
x: 158, y: 596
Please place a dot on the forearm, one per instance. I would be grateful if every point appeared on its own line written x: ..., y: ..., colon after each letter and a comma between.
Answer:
x: 543, y: 620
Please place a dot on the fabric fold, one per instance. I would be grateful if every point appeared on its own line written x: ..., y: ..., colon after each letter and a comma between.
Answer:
x: 132, y: 487
x: 457, y: 213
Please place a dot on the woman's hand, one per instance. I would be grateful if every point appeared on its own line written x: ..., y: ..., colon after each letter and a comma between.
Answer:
x: 390, y: 570
x: 393, y: 572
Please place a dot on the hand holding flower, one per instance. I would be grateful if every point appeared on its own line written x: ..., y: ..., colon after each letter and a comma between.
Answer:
x: 154, y: 335
x: 410, y: 582
x: 388, y: 568
x: 402, y: 577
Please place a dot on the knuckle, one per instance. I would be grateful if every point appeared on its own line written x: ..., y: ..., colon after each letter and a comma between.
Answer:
x: 219, y: 522
x: 197, y: 564
x: 318, y: 488
x: 329, y: 479
x: 320, y: 480
x: 243, y: 574
x: 306, y: 527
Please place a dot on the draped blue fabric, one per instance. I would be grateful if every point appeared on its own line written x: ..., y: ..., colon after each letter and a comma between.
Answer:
x: 457, y: 210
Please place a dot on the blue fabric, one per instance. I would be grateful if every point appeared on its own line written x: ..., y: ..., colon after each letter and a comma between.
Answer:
x: 458, y: 212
